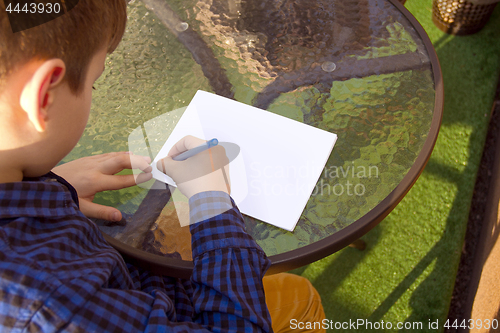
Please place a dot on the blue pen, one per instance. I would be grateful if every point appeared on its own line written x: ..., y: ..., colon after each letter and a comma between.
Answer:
x: 193, y: 151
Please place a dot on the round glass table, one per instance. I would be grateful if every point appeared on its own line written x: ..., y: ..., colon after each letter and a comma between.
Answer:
x: 363, y: 69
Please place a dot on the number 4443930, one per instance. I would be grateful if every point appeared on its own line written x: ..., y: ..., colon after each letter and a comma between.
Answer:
x: 471, y: 323
x: 33, y: 8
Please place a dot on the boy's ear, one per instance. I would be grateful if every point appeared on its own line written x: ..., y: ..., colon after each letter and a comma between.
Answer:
x: 37, y: 94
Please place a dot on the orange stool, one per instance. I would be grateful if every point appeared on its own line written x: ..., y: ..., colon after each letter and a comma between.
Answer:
x: 293, y: 303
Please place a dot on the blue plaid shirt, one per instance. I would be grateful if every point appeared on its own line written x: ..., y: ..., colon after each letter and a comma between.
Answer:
x: 57, y: 273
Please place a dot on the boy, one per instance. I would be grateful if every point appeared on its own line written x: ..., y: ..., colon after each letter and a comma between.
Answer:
x: 56, y: 271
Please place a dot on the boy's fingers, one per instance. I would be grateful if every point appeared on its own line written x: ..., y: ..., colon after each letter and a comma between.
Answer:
x: 93, y: 210
x: 184, y: 144
x: 143, y: 177
x: 164, y: 164
x: 180, y: 171
x: 119, y: 162
x: 137, y: 162
x: 117, y: 182
x: 195, y: 167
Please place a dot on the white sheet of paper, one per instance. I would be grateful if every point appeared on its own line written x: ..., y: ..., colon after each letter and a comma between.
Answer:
x: 280, y: 159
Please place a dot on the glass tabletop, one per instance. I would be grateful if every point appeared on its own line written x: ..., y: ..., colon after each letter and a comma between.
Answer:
x: 363, y: 69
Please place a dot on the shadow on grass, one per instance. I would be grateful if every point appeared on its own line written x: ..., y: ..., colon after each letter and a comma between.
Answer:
x: 432, y: 295
x: 337, y: 271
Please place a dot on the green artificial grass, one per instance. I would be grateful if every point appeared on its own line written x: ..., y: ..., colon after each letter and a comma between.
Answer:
x: 407, y: 272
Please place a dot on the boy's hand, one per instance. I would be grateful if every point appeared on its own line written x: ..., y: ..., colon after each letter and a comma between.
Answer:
x: 90, y: 175
x: 206, y: 171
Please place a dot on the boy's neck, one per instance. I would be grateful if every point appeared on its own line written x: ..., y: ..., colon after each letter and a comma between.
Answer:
x: 11, y: 169
x: 10, y: 176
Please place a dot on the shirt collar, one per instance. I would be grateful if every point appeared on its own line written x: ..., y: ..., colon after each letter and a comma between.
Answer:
x: 46, y: 196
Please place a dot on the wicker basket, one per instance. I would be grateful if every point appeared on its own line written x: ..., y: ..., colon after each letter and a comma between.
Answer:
x: 459, y: 17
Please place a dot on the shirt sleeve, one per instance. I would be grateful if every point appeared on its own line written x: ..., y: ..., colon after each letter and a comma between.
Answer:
x: 225, y: 293
x: 228, y: 267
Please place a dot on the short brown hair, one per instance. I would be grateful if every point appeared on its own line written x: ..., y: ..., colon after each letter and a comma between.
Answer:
x: 74, y: 37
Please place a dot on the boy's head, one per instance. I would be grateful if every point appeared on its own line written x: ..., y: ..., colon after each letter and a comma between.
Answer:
x: 74, y: 38
x: 46, y: 77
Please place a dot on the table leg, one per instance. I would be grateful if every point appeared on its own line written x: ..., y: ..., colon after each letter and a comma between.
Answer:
x: 145, y: 216
x: 358, y: 244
